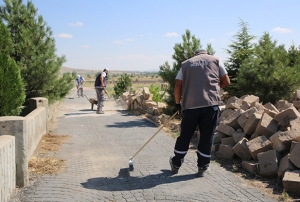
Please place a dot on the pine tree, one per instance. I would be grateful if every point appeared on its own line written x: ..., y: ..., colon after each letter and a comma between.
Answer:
x: 272, y: 73
x: 183, y: 51
x: 122, y: 84
x: 12, y: 94
x: 34, y: 51
x: 239, y: 52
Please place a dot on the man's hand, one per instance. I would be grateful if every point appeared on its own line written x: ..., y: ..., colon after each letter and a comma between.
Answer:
x: 177, y: 108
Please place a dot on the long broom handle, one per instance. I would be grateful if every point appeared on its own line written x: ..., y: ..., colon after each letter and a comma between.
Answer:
x: 154, y: 134
x: 75, y: 92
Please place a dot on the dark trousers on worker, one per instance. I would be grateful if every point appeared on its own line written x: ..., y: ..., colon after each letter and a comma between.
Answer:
x: 100, y: 98
x: 206, y: 119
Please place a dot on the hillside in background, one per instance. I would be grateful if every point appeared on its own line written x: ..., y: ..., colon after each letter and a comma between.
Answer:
x: 92, y: 72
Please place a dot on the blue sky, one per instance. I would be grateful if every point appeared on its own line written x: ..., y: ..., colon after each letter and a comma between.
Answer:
x: 139, y: 35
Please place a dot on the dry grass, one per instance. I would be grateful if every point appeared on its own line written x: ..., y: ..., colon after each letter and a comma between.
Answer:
x: 42, y: 162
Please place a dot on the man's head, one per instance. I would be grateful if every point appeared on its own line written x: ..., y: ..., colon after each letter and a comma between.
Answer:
x: 105, y: 70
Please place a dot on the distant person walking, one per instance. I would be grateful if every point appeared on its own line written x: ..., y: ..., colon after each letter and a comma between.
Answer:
x: 100, y: 85
x: 198, y: 82
x: 79, y: 85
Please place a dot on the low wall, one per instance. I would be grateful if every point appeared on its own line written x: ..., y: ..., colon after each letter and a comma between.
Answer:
x: 27, y: 131
x: 7, y: 167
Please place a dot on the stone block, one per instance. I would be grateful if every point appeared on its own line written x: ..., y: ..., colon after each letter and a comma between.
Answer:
x: 215, y: 147
x: 232, y: 119
x: 296, y: 104
x: 250, y: 99
x: 281, y: 140
x: 226, y: 113
x: 291, y: 181
x: 225, y: 152
x: 228, y: 141
x: 160, y: 107
x: 258, y: 106
x: 271, y: 107
x: 271, y: 113
x: 295, y: 155
x: 280, y: 104
x: 223, y: 128
x: 237, y: 136
x: 146, y: 93
x: 267, y: 126
x: 286, y: 115
x: 245, y: 106
x: 268, y: 163
x: 293, y: 144
x: 252, y: 123
x: 149, y: 103
x: 233, y: 103
x: 284, y: 165
x: 297, y: 95
x: 241, y: 149
x: 125, y: 96
x: 249, y: 166
x: 257, y: 145
x: 295, y: 124
x: 218, y: 136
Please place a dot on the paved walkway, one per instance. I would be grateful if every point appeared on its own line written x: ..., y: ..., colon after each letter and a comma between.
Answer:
x: 97, y: 156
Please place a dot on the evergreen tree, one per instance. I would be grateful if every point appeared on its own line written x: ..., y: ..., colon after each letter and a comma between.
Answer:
x: 210, y: 49
x: 272, y: 73
x: 34, y: 51
x: 122, y: 84
x: 239, y: 52
x: 183, y: 51
x: 12, y: 94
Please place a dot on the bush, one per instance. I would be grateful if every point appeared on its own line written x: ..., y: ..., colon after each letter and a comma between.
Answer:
x: 12, y: 94
x: 121, y: 86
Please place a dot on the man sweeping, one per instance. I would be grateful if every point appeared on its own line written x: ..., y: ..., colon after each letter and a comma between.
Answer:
x: 100, y: 85
x: 79, y: 85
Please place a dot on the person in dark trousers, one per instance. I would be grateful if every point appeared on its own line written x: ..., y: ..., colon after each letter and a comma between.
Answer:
x: 100, y: 85
x: 198, y: 83
x: 79, y: 85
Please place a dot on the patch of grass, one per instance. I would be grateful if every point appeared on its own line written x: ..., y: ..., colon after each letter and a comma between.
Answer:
x: 52, y: 142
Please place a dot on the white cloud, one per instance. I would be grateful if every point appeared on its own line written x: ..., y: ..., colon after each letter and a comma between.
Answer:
x: 130, y: 39
x: 282, y: 30
x: 77, y: 24
x: 171, y: 34
x: 85, y: 46
x: 212, y: 40
x: 118, y: 42
x: 67, y: 36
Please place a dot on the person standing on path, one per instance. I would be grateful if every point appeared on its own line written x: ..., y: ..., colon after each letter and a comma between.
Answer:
x: 100, y: 85
x: 198, y: 82
x: 79, y: 85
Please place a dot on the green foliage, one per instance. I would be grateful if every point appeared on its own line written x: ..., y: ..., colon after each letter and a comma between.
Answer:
x: 272, y: 73
x: 34, y: 51
x: 183, y: 51
x: 210, y: 49
x: 155, y: 90
x: 239, y: 51
x: 12, y: 94
x: 122, y: 84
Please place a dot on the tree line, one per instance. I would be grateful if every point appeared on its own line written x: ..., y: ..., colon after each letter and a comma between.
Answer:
x: 29, y: 66
x: 262, y: 68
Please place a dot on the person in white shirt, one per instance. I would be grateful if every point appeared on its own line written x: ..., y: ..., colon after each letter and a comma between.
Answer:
x: 79, y: 85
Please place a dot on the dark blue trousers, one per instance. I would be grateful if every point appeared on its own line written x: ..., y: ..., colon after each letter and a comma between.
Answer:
x: 206, y: 119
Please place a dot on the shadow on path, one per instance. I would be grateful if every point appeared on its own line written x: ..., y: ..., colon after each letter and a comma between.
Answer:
x: 131, y: 124
x: 124, y: 182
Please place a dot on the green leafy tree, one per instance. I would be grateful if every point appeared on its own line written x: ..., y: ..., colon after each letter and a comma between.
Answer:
x: 12, y: 94
x: 34, y: 51
x: 239, y: 51
x: 155, y: 91
x: 210, y: 49
x: 183, y: 51
x: 272, y: 73
x: 122, y: 84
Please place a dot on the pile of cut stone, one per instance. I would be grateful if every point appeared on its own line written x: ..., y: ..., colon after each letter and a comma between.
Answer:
x: 265, y: 137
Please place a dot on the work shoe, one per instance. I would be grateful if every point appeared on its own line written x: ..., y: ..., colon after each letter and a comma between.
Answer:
x: 100, y: 112
x: 173, y: 167
x: 202, y: 171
